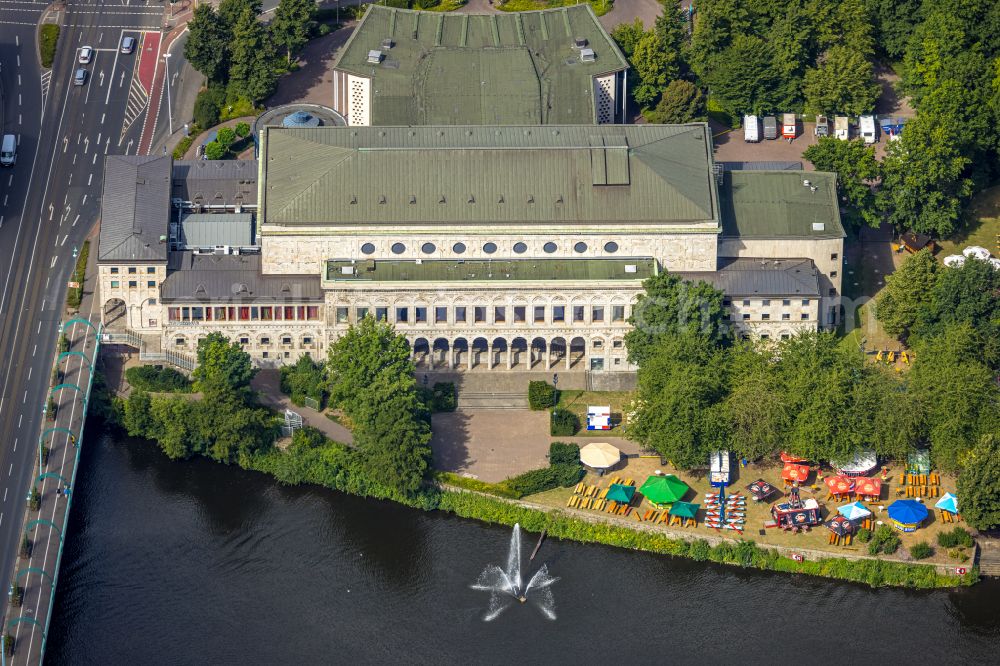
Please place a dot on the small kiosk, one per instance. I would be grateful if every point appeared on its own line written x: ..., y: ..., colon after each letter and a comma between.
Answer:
x: 599, y: 418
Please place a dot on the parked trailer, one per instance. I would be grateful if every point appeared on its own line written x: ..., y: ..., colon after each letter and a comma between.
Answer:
x: 841, y: 128
x: 770, y: 127
x: 866, y: 126
x: 789, y: 127
x: 822, y: 126
x: 891, y: 127
x: 751, y: 129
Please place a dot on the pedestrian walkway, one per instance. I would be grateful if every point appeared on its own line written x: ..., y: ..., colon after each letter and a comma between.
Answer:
x: 267, y: 383
x: 36, y: 570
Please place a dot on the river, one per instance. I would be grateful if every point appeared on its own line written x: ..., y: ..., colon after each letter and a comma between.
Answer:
x: 195, y: 562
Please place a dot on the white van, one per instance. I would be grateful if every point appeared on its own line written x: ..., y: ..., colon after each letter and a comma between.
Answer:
x: 8, y: 150
x: 751, y: 129
x: 866, y: 126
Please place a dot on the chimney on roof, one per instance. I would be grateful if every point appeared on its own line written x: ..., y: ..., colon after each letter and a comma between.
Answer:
x: 374, y: 57
x: 579, y: 42
x: 387, y: 44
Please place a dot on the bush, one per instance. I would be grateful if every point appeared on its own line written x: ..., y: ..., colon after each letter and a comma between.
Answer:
x: 194, y: 131
x: 48, y: 37
x: 541, y: 395
x: 921, y: 550
x: 864, y: 535
x: 157, y: 379
x: 561, y: 453
x: 884, y: 540
x: 226, y: 136
x: 563, y: 423
x: 242, y: 130
x: 207, y: 105
x: 215, y: 150
x: 304, y: 380
x: 958, y: 537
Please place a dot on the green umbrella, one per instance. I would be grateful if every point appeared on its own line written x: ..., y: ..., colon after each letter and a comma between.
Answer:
x: 663, y: 489
x: 684, y: 510
x: 619, y: 493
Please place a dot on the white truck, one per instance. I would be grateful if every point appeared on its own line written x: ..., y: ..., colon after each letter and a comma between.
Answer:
x: 751, y: 129
x: 8, y: 151
x: 841, y: 128
x: 866, y: 126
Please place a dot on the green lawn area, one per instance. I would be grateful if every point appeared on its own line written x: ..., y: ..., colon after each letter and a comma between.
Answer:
x: 601, y: 7
x: 577, y: 402
x: 982, y: 230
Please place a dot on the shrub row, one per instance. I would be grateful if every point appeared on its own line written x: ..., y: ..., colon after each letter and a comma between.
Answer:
x: 48, y: 37
x: 563, y: 423
x: 75, y: 294
x: 157, y: 379
x: 541, y: 395
x: 958, y: 537
x: 876, y: 573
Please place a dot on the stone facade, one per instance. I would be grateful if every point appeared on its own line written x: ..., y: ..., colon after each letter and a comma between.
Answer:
x: 131, y: 294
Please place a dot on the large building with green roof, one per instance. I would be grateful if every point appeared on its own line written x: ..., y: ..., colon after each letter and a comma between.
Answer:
x: 403, y: 67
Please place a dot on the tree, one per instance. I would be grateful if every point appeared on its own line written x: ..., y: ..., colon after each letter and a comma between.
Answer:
x: 894, y: 21
x: 969, y: 294
x: 226, y: 136
x: 857, y: 171
x: 742, y: 77
x: 655, y: 64
x: 680, y: 414
x: 923, y: 184
x: 370, y: 353
x: 207, y: 105
x: 223, y: 366
x: 954, y: 394
x: 136, y: 418
x: 908, y: 294
x: 672, y: 306
x: 841, y: 82
x: 304, y: 379
x: 231, y: 10
x: 292, y: 22
x: 242, y: 129
x: 755, y: 406
x: 207, y: 45
x: 393, y: 440
x: 627, y: 36
x: 252, y: 72
x: 979, y: 484
x: 215, y: 150
x: 681, y: 102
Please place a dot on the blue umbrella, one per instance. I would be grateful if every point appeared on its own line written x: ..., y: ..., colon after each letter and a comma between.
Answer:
x: 949, y: 503
x: 854, y: 511
x: 907, y: 512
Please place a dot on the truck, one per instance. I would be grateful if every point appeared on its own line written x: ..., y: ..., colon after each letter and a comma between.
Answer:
x: 866, y: 126
x: 841, y: 128
x: 751, y: 129
x: 789, y: 128
x: 718, y: 463
x: 822, y: 126
x: 770, y: 127
x: 8, y: 150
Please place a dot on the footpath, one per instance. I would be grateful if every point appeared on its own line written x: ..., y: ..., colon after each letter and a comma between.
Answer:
x: 36, y: 569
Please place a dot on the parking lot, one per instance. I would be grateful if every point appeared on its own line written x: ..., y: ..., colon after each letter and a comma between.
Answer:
x: 730, y: 146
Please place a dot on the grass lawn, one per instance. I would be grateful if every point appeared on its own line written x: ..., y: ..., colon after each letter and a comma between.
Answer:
x: 864, y: 277
x: 601, y: 7
x: 757, y: 512
x: 982, y: 230
x: 578, y: 401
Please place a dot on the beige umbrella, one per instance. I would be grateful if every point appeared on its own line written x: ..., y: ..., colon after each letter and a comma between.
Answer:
x: 600, y: 455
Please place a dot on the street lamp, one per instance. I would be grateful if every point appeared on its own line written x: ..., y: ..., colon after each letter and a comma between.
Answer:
x: 166, y: 71
x: 555, y: 379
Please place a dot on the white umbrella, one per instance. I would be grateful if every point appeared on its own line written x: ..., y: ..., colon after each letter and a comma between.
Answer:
x: 600, y: 455
x: 980, y: 253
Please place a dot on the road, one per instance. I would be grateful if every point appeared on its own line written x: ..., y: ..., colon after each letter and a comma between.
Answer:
x: 50, y: 200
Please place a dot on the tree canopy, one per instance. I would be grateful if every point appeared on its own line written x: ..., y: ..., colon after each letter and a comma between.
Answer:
x: 908, y: 293
x: 979, y: 484
x: 223, y: 366
x: 681, y: 102
x: 857, y: 173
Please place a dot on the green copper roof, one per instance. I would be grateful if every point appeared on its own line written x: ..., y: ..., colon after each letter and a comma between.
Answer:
x: 484, y: 270
x: 480, y: 69
x: 596, y: 174
x: 779, y: 204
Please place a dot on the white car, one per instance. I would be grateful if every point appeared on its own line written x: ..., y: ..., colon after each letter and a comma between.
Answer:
x: 86, y: 53
x: 128, y: 45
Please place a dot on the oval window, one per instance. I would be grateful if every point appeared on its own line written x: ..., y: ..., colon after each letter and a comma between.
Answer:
x: 368, y: 248
x: 580, y: 247
x: 611, y: 246
x: 520, y: 248
x: 427, y: 248
x: 550, y: 247
x: 490, y: 248
x: 398, y: 248
x: 458, y: 248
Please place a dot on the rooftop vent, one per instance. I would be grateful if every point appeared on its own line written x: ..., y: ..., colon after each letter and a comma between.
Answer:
x: 819, y: 226
x: 374, y: 57
x: 579, y: 42
x: 587, y: 55
x: 387, y: 44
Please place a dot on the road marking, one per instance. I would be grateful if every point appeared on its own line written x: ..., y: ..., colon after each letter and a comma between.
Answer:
x: 94, y: 161
x: 39, y: 329
x: 5, y: 199
x: 10, y: 180
x: 19, y: 78
x: 29, y: 372
x: 74, y: 162
x: 19, y: 99
x: 1, y: 221
x: 102, y: 116
x: 36, y: 345
x: 69, y: 182
x: 64, y: 240
x: 77, y: 219
x: 84, y: 203
x: 5, y: 491
x: 11, y: 468
x: 90, y: 178
x: 53, y: 264
x: 18, y: 59
x: 25, y: 398
x: 52, y: 211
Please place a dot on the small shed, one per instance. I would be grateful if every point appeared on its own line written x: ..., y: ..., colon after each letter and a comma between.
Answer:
x: 599, y: 417
x: 913, y: 242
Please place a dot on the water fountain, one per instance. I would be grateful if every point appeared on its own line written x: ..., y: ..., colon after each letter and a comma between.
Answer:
x: 504, y: 585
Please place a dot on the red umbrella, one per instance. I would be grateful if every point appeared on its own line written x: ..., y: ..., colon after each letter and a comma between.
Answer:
x: 840, y: 485
x: 794, y: 472
x: 869, y: 487
x: 789, y: 458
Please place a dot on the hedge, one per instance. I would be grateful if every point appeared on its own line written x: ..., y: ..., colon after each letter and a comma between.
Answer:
x: 563, y: 423
x: 876, y: 573
x: 541, y: 395
x: 75, y: 294
x: 958, y: 537
x: 48, y: 37
x: 157, y: 379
